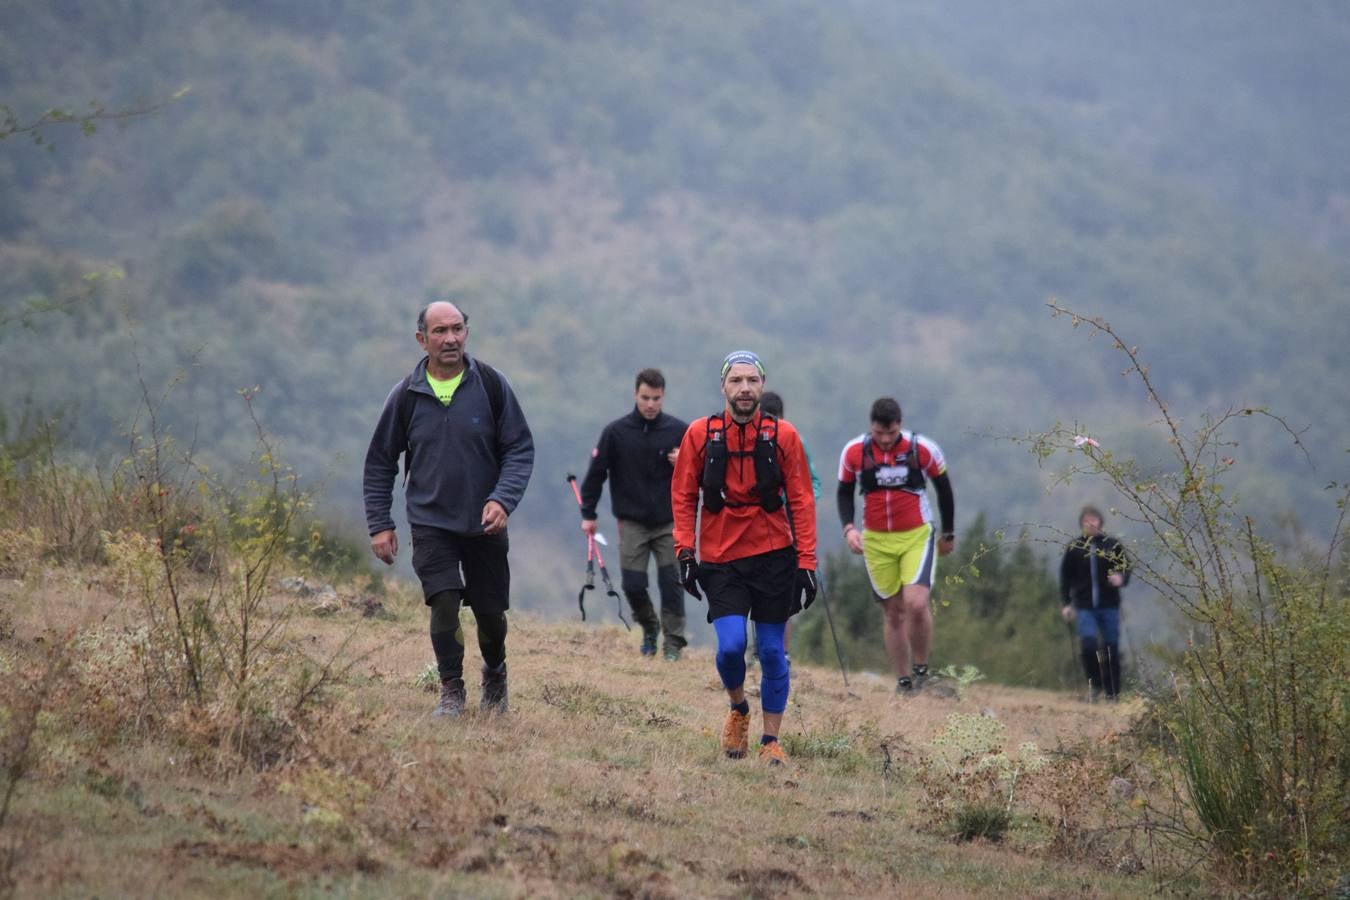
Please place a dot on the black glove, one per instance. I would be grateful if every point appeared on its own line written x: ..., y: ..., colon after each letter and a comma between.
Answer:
x: 689, y: 573
x: 806, y: 587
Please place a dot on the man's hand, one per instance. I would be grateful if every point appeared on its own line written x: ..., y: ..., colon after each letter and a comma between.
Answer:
x: 689, y: 573
x: 589, y: 526
x: 384, y: 544
x: 494, y: 517
x: 946, y: 544
x: 673, y: 455
x: 806, y: 587
x: 1068, y: 613
x: 853, y: 537
x: 1115, y: 579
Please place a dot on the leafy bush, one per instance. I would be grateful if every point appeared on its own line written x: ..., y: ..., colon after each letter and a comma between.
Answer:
x: 1259, y: 710
x: 48, y: 507
x: 981, y: 820
x: 20, y: 550
x: 206, y: 651
x: 971, y: 783
x: 961, y: 678
x: 429, y: 679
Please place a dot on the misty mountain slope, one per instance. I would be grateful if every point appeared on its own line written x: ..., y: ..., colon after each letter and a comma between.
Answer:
x: 612, y: 185
x: 1240, y: 100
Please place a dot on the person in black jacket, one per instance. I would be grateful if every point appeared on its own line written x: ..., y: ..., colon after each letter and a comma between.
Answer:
x: 468, y: 457
x: 1093, y: 571
x: 637, y: 453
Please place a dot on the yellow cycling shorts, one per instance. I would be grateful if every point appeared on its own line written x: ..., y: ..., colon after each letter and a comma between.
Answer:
x: 897, y: 558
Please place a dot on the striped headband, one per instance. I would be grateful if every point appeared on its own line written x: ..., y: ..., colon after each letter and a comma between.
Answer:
x: 741, y: 356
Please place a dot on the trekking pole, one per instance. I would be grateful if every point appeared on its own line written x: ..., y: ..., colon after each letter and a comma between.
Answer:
x: 593, y: 557
x: 590, y: 577
x: 604, y: 574
x: 829, y: 618
x: 590, y: 557
x: 1073, y: 651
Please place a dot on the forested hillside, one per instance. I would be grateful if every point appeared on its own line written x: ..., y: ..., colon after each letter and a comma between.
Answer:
x: 1240, y: 100
x: 608, y: 185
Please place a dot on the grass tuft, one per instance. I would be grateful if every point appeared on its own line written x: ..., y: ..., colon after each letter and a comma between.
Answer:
x: 986, y: 820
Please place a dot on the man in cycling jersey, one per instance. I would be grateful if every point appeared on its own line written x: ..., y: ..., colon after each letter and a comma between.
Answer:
x: 892, y: 466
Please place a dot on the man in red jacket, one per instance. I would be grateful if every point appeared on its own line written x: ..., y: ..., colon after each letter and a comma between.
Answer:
x: 756, y: 541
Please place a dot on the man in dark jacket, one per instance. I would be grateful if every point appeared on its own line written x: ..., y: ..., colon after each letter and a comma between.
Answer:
x: 637, y: 453
x: 468, y: 457
x: 1091, y: 575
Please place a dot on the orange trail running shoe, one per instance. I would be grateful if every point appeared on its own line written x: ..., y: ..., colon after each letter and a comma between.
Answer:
x: 772, y: 754
x: 736, y: 735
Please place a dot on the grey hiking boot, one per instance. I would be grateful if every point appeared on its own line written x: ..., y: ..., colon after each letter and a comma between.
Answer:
x: 494, y: 690
x: 451, y: 704
x: 672, y: 653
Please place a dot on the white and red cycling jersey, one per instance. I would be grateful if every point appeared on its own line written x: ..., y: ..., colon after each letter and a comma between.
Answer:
x: 892, y: 507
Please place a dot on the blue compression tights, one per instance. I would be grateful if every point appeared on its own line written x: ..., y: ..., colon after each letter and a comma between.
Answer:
x: 773, y: 662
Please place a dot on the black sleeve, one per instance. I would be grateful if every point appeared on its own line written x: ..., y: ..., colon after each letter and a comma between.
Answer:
x: 677, y: 429
x: 844, y: 498
x: 946, y: 503
x: 594, y: 482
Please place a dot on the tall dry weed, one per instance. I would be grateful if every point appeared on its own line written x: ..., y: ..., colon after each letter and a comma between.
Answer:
x: 26, y: 692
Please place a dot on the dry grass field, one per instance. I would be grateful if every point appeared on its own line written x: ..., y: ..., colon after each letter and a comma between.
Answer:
x: 604, y: 780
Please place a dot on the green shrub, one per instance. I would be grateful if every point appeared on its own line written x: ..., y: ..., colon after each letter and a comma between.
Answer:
x: 1259, y: 710
x: 842, y: 749
x: 985, y: 820
x: 972, y: 785
x: 429, y: 679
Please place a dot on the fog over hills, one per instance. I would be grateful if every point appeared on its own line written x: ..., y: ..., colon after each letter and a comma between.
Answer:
x: 877, y: 198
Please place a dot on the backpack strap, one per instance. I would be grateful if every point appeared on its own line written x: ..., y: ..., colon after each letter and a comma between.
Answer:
x: 492, y: 383
x: 768, y: 471
x: 406, y: 399
x: 714, y: 475
x: 914, y: 477
x: 405, y: 405
x: 867, y: 468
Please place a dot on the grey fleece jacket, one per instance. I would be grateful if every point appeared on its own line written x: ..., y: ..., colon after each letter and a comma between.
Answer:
x: 458, y: 457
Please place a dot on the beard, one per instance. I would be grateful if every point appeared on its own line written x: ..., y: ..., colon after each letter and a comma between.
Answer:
x: 744, y: 406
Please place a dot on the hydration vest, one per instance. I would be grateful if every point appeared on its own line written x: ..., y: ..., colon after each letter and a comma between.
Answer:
x: 768, y: 474
x: 913, y: 481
